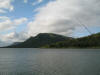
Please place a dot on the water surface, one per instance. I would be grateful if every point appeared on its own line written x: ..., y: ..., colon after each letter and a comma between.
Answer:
x: 49, y: 62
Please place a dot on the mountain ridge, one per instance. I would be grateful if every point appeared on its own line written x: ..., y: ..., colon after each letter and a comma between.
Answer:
x: 51, y: 40
x: 91, y: 41
x: 40, y: 40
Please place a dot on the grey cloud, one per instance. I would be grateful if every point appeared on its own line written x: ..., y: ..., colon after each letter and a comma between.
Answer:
x: 89, y: 12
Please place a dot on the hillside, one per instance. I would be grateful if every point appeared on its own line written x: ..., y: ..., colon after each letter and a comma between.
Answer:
x: 92, y: 41
x: 40, y: 40
x: 50, y: 40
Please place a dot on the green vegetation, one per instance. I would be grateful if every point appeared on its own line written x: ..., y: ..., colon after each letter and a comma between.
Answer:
x: 50, y: 40
x: 40, y: 40
x: 92, y: 41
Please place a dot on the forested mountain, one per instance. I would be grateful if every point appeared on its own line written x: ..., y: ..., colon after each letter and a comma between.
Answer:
x: 40, y: 40
x: 92, y: 41
x: 50, y: 40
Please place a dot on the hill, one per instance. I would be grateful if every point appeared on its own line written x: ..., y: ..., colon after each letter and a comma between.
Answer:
x: 92, y: 41
x: 40, y: 40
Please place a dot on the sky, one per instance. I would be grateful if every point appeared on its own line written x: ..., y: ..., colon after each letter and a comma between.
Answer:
x: 21, y: 19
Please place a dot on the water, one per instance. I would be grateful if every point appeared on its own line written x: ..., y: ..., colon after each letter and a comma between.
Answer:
x: 49, y: 62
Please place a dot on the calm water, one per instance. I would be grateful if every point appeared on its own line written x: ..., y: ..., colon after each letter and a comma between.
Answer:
x: 49, y: 62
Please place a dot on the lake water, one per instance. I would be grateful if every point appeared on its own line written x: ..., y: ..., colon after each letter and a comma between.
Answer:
x: 49, y: 62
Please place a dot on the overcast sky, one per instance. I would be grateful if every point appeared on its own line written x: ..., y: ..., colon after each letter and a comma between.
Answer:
x: 20, y: 19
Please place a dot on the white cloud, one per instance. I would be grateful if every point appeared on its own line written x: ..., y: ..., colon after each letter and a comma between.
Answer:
x: 14, y: 37
x: 11, y: 8
x: 37, y: 2
x: 20, y: 21
x: 6, y: 23
x: 6, y: 4
x: 40, y: 1
x: 54, y: 17
x: 2, y: 43
x: 60, y: 16
x: 3, y: 18
x: 10, y: 38
x: 2, y: 11
x: 25, y: 1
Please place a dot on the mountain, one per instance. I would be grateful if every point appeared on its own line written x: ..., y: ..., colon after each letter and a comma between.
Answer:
x: 40, y: 40
x: 92, y: 41
x: 16, y: 43
x: 50, y: 40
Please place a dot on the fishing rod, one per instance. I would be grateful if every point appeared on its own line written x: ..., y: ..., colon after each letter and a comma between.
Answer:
x: 84, y: 26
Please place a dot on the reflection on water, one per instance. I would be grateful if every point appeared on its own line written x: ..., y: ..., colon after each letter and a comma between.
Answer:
x: 49, y: 62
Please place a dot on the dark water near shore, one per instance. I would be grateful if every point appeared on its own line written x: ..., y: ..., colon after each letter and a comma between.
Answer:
x: 49, y: 62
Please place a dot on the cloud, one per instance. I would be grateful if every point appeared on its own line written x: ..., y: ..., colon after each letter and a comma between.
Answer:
x: 37, y: 2
x: 25, y: 1
x: 2, y: 11
x: 4, y: 43
x: 40, y: 1
x: 62, y: 16
x: 10, y: 38
x: 89, y: 12
x: 20, y: 21
x: 14, y: 37
x: 7, y: 24
x: 57, y: 16
x: 54, y: 17
x: 3, y: 18
x: 6, y: 5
